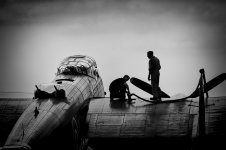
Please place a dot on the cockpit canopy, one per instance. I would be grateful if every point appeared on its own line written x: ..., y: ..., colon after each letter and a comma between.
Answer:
x: 78, y: 65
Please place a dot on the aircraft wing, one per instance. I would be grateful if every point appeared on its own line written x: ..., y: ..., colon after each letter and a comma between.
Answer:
x: 10, y: 111
x: 130, y: 124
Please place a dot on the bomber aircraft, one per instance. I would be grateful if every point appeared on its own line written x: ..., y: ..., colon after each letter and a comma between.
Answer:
x: 72, y: 112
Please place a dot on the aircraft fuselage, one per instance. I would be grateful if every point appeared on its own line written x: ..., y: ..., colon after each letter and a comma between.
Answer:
x: 47, y: 118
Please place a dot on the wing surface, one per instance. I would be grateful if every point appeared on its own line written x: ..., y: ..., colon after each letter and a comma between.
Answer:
x: 115, y: 119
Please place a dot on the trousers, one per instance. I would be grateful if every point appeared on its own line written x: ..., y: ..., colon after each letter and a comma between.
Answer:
x: 155, y: 75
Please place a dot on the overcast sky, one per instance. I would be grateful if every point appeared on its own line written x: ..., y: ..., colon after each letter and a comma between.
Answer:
x: 186, y: 36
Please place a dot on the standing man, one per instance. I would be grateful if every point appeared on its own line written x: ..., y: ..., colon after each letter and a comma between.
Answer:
x: 118, y: 88
x: 154, y: 74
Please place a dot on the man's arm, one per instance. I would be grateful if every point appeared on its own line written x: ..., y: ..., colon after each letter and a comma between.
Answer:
x: 127, y: 87
x: 149, y: 76
x: 149, y: 70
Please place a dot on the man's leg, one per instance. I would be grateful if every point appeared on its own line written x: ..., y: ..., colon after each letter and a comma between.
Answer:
x: 154, y: 89
x: 159, y: 89
x: 114, y: 94
x: 159, y: 93
x: 122, y: 93
x: 154, y: 83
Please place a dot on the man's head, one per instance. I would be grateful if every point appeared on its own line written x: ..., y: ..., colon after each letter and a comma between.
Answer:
x: 126, y: 77
x: 150, y: 54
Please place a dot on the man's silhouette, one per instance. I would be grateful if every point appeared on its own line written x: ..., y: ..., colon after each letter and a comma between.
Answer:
x: 118, y: 88
x: 154, y: 74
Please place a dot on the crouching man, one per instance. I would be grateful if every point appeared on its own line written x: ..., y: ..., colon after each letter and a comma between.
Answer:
x: 119, y: 88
